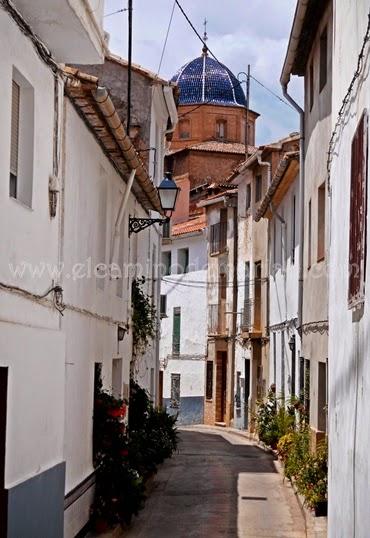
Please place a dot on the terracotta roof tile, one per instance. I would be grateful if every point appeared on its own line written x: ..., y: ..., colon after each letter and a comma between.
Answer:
x: 215, y: 146
x: 192, y: 225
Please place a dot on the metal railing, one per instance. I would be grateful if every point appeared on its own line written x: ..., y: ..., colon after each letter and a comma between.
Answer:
x: 217, y: 318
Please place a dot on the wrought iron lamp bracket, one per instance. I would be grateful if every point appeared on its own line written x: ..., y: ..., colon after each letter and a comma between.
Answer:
x: 136, y: 224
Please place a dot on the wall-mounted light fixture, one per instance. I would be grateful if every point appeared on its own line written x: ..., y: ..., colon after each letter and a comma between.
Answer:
x: 121, y: 331
x: 168, y: 192
x: 292, y: 343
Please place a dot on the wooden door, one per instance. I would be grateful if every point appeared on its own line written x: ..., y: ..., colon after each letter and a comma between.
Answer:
x: 3, y: 413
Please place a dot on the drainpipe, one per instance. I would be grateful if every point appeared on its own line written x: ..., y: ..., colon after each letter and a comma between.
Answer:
x: 284, y: 85
x: 265, y: 163
x: 268, y: 165
x: 120, y: 215
x: 235, y: 308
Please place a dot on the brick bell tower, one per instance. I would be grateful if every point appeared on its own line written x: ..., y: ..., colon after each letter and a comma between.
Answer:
x: 210, y: 137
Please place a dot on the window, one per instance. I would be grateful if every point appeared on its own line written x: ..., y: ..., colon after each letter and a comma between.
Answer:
x: 321, y: 223
x: 323, y: 58
x: 293, y: 237
x: 182, y: 261
x: 309, y: 246
x: 117, y: 378
x: 152, y: 385
x: 258, y: 193
x: 166, y: 263
x: 221, y: 129
x: 184, y: 128
x: 321, y: 398
x: 21, y: 140
x: 358, y: 214
x: 246, y: 321
x: 248, y: 197
x: 175, y: 390
x: 311, y: 83
x: 163, y: 306
x: 301, y: 379
x: 176, y: 330
x: 209, y: 380
x: 257, y: 294
x: 223, y: 286
x: 218, y: 234
x: 307, y: 387
x: 14, y: 147
x: 282, y: 379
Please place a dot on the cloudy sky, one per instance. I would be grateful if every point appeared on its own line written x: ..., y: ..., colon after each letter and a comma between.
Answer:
x: 240, y: 32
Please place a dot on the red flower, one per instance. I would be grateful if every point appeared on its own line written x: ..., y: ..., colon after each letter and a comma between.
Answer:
x: 117, y: 412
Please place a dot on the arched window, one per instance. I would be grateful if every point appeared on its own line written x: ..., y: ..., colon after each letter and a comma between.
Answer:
x: 184, y: 128
x: 221, y: 129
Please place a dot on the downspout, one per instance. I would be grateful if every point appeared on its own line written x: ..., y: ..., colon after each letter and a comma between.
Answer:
x: 120, y: 215
x: 235, y: 308
x: 268, y: 165
x: 284, y: 85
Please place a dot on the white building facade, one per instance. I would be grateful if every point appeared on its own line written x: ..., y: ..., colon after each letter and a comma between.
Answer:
x: 33, y: 346
x: 61, y: 195
x: 349, y: 277
x: 280, y: 207
x: 183, y: 344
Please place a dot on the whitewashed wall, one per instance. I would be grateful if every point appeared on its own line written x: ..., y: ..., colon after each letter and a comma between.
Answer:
x: 189, y: 292
x: 349, y: 340
x: 30, y: 340
x: 283, y: 293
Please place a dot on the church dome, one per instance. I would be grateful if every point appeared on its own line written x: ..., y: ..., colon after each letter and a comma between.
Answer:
x: 204, y: 80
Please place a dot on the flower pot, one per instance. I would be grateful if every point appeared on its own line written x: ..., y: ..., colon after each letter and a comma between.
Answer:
x: 101, y: 526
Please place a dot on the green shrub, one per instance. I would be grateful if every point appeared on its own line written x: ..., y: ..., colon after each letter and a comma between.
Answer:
x: 124, y: 457
x: 312, y: 478
x: 273, y: 420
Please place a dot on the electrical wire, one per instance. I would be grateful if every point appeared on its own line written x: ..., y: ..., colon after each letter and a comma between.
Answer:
x: 166, y: 38
x: 115, y: 12
x: 272, y: 93
x: 218, y: 61
x: 345, y: 101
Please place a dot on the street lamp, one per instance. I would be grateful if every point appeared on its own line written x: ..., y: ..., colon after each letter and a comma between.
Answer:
x: 167, y: 192
x: 292, y: 343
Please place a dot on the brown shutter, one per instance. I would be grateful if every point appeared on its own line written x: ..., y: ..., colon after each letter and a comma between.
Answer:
x: 14, y: 130
x: 358, y: 214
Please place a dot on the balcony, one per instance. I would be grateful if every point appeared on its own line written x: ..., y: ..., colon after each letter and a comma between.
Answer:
x: 71, y: 29
x: 218, y: 237
x: 217, y: 319
x: 250, y: 319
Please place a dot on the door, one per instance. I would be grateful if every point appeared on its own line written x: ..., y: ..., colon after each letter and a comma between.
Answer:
x: 3, y: 411
x: 247, y: 390
x: 221, y: 386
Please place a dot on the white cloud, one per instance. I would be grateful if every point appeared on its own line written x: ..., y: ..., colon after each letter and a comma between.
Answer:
x: 240, y: 32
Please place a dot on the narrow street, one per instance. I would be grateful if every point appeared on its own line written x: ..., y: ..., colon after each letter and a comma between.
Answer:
x: 219, y: 484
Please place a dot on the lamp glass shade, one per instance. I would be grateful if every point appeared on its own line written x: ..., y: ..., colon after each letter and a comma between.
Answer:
x: 168, y: 191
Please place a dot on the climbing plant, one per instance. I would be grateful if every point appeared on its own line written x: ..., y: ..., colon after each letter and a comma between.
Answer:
x: 144, y: 317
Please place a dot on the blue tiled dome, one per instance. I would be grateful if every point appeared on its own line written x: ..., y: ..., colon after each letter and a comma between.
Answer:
x: 203, y: 80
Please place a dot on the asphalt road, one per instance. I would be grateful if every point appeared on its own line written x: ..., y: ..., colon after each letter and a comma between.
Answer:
x: 219, y: 484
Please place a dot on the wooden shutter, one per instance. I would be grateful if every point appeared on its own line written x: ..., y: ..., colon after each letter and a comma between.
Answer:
x: 163, y: 305
x: 176, y: 330
x: 175, y: 390
x: 14, y: 144
x: 358, y: 214
x: 209, y: 380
